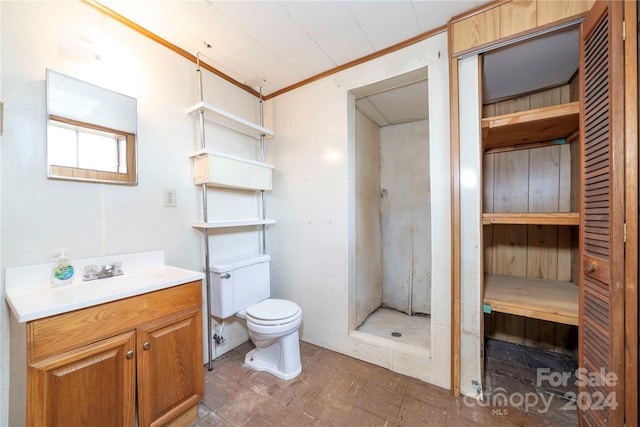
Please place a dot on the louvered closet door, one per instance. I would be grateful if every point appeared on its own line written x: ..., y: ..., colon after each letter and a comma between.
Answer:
x: 601, y: 399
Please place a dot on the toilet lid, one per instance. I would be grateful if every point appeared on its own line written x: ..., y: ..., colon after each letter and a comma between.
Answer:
x: 273, y: 309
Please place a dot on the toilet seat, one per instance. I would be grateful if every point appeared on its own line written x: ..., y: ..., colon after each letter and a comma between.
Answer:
x: 272, y: 312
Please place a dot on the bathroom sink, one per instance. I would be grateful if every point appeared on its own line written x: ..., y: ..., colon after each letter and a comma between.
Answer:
x: 31, y: 296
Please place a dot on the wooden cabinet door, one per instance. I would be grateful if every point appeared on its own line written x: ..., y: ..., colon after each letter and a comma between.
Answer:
x: 170, y: 371
x: 601, y: 397
x: 93, y: 385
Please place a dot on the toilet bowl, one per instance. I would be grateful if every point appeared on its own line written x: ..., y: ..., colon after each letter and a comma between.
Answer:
x: 241, y: 286
x: 273, y: 327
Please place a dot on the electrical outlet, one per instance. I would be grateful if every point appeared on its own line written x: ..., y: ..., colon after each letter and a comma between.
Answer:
x: 170, y: 198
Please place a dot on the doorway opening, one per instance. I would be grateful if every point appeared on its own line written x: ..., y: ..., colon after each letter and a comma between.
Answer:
x: 393, y: 210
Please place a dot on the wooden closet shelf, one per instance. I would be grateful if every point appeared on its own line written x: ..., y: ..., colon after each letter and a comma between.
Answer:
x: 526, y: 127
x: 562, y: 218
x: 551, y: 300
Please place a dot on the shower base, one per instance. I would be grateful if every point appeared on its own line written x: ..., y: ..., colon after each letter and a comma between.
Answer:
x: 389, y: 323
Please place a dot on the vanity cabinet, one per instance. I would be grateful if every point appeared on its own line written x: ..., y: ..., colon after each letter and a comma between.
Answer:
x: 92, y: 385
x: 84, y: 366
x: 170, y: 373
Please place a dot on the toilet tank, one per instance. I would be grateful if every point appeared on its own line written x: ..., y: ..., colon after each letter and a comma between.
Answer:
x: 238, y: 282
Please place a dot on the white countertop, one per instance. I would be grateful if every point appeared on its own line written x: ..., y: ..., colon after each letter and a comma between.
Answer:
x: 31, y: 295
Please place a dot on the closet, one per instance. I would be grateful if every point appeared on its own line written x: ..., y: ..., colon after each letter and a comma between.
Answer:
x: 530, y: 218
x: 530, y: 190
x: 558, y: 176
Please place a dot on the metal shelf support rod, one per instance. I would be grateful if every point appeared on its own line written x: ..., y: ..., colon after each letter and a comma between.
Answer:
x: 205, y: 231
x: 264, y: 227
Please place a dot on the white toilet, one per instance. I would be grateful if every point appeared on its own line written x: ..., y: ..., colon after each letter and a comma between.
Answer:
x: 241, y: 286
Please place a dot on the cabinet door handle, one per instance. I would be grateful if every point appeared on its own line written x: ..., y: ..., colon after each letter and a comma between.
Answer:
x: 129, y: 354
x: 146, y: 345
x: 590, y: 267
x: 225, y: 276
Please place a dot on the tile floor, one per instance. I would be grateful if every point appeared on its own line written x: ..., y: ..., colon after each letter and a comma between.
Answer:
x: 337, y: 390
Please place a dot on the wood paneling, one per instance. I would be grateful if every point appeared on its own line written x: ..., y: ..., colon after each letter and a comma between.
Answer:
x: 511, y: 182
x: 513, y: 105
x: 551, y: 11
x: 544, y: 179
x: 517, y: 16
x: 535, y: 187
x: 544, y: 184
x: 510, y: 250
x: 506, y: 327
x: 499, y: 21
x: 548, y: 246
x: 565, y: 247
x: 476, y: 30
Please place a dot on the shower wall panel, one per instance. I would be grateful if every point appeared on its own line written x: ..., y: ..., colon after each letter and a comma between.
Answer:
x: 368, y: 237
x: 405, y: 216
x: 421, y: 196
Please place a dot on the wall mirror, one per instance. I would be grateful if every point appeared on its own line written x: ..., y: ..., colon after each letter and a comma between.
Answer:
x: 91, y: 132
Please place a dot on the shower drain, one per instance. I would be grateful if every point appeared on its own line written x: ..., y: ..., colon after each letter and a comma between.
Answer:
x: 396, y: 334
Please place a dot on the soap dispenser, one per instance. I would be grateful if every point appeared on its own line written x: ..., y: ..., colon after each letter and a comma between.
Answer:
x: 63, y: 270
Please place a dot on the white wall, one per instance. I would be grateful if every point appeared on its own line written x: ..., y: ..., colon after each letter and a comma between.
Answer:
x: 368, y: 268
x: 4, y: 312
x: 406, y: 225
x: 313, y: 200
x: 39, y: 215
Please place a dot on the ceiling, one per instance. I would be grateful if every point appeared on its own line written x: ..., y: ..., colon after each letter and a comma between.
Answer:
x: 400, y: 99
x: 271, y: 45
x: 545, y: 61
x: 275, y: 44
x: 404, y: 104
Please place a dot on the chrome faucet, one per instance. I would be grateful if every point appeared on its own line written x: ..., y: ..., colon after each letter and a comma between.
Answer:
x: 93, y: 272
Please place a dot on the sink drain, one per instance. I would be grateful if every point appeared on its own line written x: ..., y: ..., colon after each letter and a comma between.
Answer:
x: 396, y: 334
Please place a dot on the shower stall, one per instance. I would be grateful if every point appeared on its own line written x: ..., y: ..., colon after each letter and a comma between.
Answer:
x: 393, y: 210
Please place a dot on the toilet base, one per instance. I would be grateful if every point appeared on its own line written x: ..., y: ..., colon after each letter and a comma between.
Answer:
x: 261, y: 365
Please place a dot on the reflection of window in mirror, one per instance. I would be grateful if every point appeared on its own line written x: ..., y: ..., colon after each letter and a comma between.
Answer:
x: 91, y: 132
x: 83, y: 150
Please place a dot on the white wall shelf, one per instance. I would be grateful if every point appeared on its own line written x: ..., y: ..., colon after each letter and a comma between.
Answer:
x: 223, y: 170
x: 230, y: 121
x: 233, y: 223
